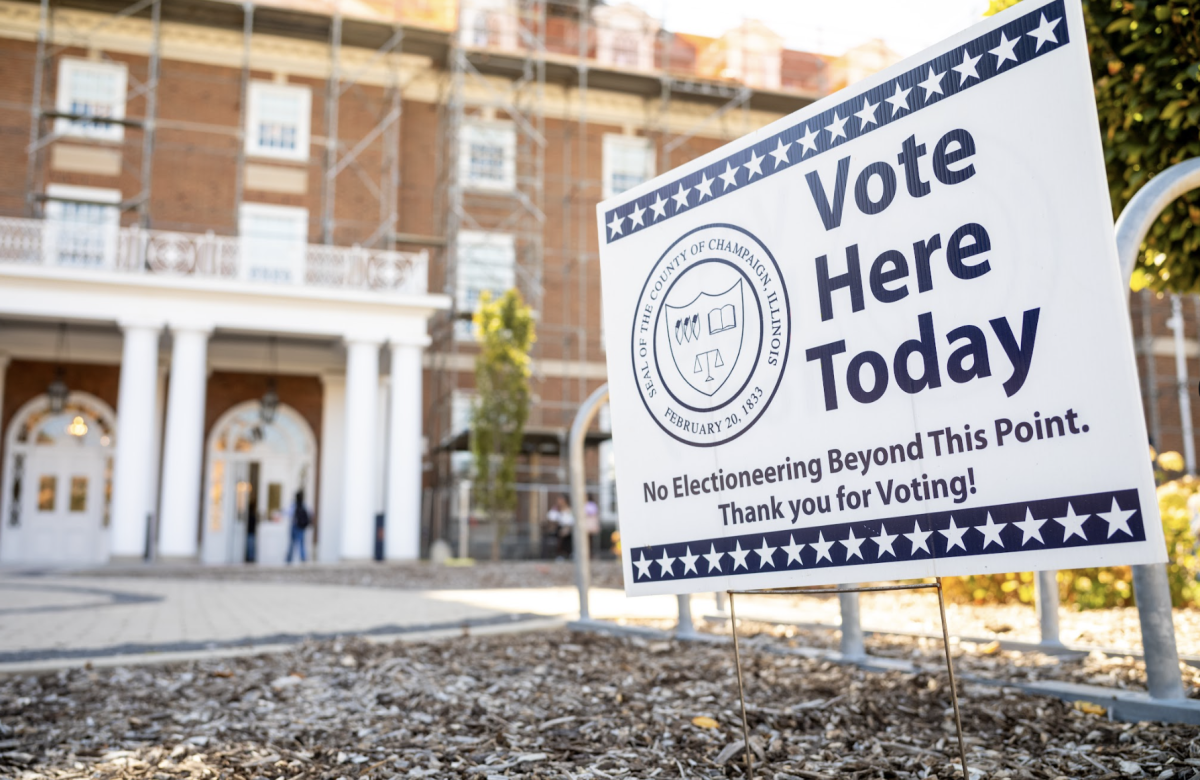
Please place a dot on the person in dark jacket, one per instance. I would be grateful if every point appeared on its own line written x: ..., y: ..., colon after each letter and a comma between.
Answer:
x: 300, y: 521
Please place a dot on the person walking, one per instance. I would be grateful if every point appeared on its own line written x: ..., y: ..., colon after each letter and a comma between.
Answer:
x: 300, y: 520
x: 561, y: 516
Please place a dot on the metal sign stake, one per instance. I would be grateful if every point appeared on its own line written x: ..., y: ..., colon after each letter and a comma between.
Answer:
x: 737, y: 659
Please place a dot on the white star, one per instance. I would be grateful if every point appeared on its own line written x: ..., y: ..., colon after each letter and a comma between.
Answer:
x: 659, y: 207
x: 781, y: 154
x: 966, y: 70
x: 954, y: 536
x: 837, y: 128
x: 714, y: 559
x: 867, y: 115
x: 615, y: 226
x: 1117, y: 519
x: 754, y: 166
x: 643, y: 566
x: 1044, y: 32
x: 991, y: 532
x: 808, y: 141
x: 681, y: 198
x: 822, y: 547
x: 705, y: 186
x: 1072, y: 524
x: 766, y: 555
x: 1030, y: 528
x: 932, y: 84
x: 918, y: 537
x: 899, y: 100
x: 793, y: 550
x: 665, y: 565
x: 636, y: 216
x: 729, y: 177
x: 853, y: 546
x: 885, y: 542
x: 689, y: 561
x: 739, y: 556
x: 1004, y: 51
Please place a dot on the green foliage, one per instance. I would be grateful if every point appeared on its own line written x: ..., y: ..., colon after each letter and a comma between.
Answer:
x: 1146, y: 67
x: 506, y: 332
x: 1112, y: 586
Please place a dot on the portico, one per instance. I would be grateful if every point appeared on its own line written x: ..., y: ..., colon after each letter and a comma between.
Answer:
x: 349, y: 360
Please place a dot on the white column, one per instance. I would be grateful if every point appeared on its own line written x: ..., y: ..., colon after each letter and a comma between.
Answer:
x: 358, y: 464
x: 183, y: 448
x: 402, y: 534
x: 134, y: 464
x: 333, y: 438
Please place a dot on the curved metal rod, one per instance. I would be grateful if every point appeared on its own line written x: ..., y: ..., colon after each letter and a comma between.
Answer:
x: 1143, y: 209
x: 1150, y: 585
x: 583, y: 420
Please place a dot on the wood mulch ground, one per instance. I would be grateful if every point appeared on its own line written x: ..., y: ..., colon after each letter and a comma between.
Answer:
x: 549, y: 705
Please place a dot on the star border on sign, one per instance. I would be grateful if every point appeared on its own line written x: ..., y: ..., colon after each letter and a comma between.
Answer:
x: 635, y: 216
x: 991, y: 531
x: 681, y: 198
x: 808, y: 141
x: 837, y: 128
x: 754, y: 165
x: 1005, y: 51
x: 730, y: 176
x: 932, y: 84
x: 966, y: 69
x: 867, y: 115
x: 614, y: 227
x: 704, y: 187
x: 781, y: 153
x: 714, y: 559
x: 1044, y: 32
x: 659, y: 206
x: 899, y: 100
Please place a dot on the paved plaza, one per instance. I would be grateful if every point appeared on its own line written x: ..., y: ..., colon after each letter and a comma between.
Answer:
x: 72, y: 617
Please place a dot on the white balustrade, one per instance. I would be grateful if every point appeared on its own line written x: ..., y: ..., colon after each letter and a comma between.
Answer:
x: 173, y: 253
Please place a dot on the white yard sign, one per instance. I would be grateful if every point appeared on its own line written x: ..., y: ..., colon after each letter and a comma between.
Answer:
x: 884, y: 337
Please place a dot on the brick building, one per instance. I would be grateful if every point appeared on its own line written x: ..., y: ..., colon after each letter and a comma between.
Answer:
x: 240, y: 243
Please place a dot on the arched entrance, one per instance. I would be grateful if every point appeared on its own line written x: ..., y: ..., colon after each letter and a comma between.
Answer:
x: 58, y: 482
x: 252, y: 466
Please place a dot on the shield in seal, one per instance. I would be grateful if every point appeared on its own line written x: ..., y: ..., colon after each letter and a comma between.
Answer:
x: 706, y: 337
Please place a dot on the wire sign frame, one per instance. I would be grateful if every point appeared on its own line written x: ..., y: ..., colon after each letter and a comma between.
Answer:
x: 737, y: 657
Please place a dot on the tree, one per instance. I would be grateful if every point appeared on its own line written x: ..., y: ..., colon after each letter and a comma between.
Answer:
x: 505, y: 330
x: 1146, y: 67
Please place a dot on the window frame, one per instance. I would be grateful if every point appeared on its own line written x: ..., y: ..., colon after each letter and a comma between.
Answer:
x: 476, y: 132
x: 63, y: 99
x: 106, y: 229
x: 614, y: 142
x: 505, y: 242
x: 246, y: 243
x: 255, y: 91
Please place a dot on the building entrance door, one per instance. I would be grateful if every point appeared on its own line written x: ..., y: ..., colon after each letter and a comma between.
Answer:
x: 64, y: 507
x: 256, y: 466
x: 57, y: 483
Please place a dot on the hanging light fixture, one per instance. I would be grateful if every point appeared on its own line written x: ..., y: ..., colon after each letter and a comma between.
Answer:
x: 270, y: 400
x: 57, y: 390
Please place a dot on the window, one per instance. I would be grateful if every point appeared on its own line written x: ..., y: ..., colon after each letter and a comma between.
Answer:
x: 47, y: 488
x: 277, y: 121
x: 91, y: 88
x: 79, y: 486
x: 627, y: 49
x: 486, y: 261
x: 628, y: 161
x: 274, y: 243
x: 82, y: 227
x: 487, y: 156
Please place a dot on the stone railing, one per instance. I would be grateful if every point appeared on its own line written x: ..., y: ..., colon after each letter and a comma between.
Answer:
x: 207, y: 255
